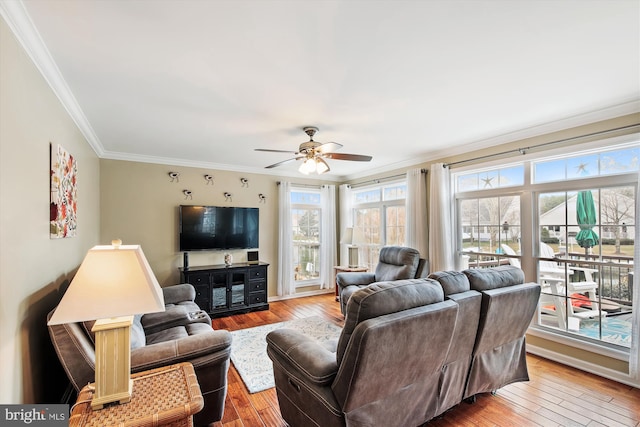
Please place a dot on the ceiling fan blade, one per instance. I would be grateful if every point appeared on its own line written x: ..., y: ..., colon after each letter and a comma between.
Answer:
x: 275, y: 151
x: 344, y: 156
x: 283, y: 162
x: 328, y: 147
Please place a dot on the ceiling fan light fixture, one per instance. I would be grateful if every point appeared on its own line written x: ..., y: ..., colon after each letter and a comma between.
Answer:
x: 308, y: 166
x: 313, y: 154
x: 321, y: 166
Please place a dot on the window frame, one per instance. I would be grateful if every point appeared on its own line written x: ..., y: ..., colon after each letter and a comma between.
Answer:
x: 307, y: 207
x: 529, y: 221
x: 373, y: 249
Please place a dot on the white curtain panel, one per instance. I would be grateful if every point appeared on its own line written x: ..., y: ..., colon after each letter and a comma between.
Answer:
x: 441, y: 251
x: 346, y: 218
x: 416, y: 203
x: 634, y: 354
x: 328, y: 255
x: 286, y: 284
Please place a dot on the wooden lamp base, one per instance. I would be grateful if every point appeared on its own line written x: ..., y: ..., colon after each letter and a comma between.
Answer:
x: 113, y: 361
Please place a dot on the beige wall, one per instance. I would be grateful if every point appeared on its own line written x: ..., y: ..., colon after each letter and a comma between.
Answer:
x: 32, y: 267
x: 140, y: 206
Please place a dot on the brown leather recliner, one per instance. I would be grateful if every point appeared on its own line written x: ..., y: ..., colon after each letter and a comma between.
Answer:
x: 158, y: 339
x: 394, y: 263
x: 383, y: 371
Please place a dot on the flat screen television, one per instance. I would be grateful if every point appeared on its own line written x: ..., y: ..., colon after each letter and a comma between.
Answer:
x: 214, y: 227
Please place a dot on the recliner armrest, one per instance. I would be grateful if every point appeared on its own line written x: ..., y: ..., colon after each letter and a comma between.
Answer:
x: 313, y: 361
x: 347, y: 279
x: 177, y: 293
x: 174, y: 315
x: 215, y: 345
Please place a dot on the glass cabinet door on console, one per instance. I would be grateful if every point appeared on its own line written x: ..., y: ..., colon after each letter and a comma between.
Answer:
x: 218, y: 292
x: 223, y: 290
x: 237, y: 287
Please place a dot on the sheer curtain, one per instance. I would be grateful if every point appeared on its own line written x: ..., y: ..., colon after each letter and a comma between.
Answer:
x: 417, y: 211
x: 286, y: 284
x: 441, y: 251
x: 328, y: 255
x: 346, y: 218
x: 634, y: 354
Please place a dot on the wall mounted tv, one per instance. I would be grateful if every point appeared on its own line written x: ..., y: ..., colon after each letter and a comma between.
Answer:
x: 213, y: 227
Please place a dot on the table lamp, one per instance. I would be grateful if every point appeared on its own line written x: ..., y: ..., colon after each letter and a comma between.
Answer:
x: 112, y: 284
x: 352, y: 237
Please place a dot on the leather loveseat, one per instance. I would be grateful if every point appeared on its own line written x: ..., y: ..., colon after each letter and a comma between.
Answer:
x: 409, y: 350
x: 182, y: 333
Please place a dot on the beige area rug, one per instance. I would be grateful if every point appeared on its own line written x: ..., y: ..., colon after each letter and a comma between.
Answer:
x: 249, y: 348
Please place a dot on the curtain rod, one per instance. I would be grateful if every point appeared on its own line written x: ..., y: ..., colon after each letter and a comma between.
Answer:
x: 304, y: 185
x: 386, y: 178
x: 523, y: 150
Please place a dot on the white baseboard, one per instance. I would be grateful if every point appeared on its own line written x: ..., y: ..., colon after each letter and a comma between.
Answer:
x: 302, y: 294
x: 592, y: 368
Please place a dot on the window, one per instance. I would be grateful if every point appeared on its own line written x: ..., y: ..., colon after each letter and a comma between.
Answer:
x: 379, y: 212
x: 490, y: 227
x: 306, y: 216
x: 585, y: 260
x: 579, y: 237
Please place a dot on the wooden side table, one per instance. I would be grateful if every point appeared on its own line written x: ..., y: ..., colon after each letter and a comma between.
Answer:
x: 167, y: 396
x: 345, y: 269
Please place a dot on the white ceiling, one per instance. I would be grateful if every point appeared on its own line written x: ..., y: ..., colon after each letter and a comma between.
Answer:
x: 204, y: 83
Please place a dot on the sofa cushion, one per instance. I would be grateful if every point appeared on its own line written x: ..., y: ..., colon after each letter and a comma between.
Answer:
x: 177, y: 332
x: 452, y: 282
x: 484, y: 279
x: 137, y: 333
x: 382, y: 298
x: 87, y: 325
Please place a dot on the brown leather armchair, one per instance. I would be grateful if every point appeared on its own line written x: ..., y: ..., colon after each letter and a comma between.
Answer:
x: 158, y: 339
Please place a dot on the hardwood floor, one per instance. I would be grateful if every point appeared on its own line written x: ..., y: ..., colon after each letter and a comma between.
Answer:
x: 557, y: 395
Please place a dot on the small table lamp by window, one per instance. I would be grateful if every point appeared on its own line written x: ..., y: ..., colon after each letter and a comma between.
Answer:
x: 112, y: 284
x: 352, y: 237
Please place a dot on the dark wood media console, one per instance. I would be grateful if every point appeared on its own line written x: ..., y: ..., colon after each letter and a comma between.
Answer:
x: 224, y: 290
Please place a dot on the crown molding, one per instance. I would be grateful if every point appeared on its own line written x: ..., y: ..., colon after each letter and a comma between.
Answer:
x: 15, y: 15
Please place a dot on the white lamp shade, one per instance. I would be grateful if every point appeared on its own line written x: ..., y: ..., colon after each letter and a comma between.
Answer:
x: 358, y: 237
x: 352, y: 236
x: 347, y: 236
x: 112, y: 281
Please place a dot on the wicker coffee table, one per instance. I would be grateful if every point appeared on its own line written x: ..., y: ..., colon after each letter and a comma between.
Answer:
x: 167, y: 396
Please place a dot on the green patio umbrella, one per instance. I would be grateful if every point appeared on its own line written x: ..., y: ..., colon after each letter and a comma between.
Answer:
x: 586, y: 217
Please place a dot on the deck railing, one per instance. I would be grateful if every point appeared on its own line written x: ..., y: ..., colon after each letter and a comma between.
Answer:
x: 614, y: 272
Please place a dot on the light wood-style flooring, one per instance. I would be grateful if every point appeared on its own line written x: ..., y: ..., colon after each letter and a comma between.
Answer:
x: 557, y: 395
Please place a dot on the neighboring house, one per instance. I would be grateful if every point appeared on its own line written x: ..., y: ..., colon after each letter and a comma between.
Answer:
x: 617, y: 211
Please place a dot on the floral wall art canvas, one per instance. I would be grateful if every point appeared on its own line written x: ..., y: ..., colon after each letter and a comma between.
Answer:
x: 63, y: 203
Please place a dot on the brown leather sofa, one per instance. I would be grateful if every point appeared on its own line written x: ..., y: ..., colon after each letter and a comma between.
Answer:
x: 410, y: 349
x: 394, y: 263
x: 158, y: 339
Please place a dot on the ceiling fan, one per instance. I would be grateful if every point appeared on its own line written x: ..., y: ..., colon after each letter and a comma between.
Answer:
x: 314, y: 154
